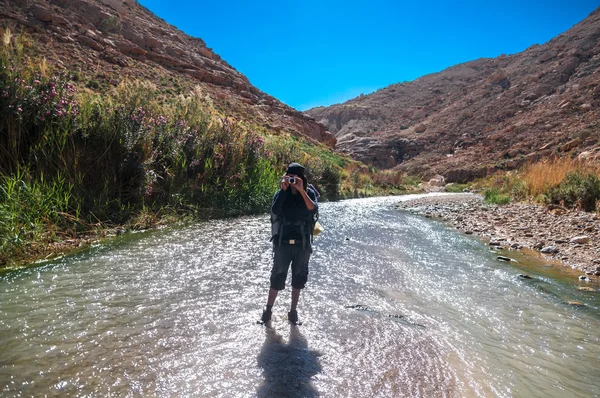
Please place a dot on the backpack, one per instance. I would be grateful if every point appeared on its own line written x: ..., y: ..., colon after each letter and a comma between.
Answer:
x: 277, y: 223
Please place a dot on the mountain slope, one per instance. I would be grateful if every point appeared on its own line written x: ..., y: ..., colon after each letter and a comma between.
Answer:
x: 104, y: 41
x: 483, y: 115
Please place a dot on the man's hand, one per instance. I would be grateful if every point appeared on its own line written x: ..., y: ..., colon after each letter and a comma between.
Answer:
x: 284, y: 183
x: 299, y: 185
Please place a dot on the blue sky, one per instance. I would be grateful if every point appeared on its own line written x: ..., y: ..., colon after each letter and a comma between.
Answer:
x: 310, y: 53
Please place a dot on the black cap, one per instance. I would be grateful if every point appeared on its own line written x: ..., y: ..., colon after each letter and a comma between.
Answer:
x: 296, y: 169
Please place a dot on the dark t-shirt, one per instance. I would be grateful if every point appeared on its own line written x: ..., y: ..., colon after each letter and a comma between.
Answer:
x: 292, y: 208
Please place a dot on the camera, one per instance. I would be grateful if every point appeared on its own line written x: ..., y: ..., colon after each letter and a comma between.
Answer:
x: 292, y: 180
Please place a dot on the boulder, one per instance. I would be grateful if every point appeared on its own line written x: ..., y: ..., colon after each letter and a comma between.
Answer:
x: 132, y: 35
x: 197, y: 61
x: 206, y: 52
x: 151, y: 43
x: 91, y: 43
x: 546, y: 56
x: 437, y: 181
x: 129, y: 48
x: 91, y: 34
x: 115, y: 5
x: 329, y: 139
x: 420, y: 128
x: 42, y: 14
x: 58, y: 20
x: 176, y: 52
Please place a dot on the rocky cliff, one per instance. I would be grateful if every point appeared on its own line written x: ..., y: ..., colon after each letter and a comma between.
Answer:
x: 103, y: 41
x: 483, y: 115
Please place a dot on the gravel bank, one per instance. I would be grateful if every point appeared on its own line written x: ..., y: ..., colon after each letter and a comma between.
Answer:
x: 570, y: 236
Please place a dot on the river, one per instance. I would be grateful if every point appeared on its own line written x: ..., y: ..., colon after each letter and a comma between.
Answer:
x: 396, y: 305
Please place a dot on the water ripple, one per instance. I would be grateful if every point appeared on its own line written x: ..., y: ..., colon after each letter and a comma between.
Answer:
x: 396, y: 306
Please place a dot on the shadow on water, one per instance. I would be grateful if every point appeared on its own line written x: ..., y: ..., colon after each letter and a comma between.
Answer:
x: 288, y: 367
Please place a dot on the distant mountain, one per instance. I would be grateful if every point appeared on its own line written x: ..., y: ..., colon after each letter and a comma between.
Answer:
x: 104, y: 41
x: 483, y: 115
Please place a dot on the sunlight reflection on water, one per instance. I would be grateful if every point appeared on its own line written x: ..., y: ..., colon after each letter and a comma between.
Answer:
x: 396, y: 305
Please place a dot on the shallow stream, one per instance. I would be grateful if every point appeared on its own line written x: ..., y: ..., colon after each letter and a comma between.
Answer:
x: 397, y: 305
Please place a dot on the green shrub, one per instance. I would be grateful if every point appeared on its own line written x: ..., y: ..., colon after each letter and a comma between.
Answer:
x: 495, y: 196
x: 577, y: 189
x: 456, y: 187
x: 131, y: 153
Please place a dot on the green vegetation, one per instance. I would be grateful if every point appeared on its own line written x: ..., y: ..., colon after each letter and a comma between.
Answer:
x: 74, y: 162
x: 564, y: 181
x: 494, y: 196
x: 456, y: 188
x: 577, y: 190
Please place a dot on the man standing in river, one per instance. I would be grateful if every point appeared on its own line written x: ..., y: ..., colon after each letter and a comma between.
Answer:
x: 294, y: 207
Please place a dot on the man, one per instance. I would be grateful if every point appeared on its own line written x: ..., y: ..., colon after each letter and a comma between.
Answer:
x: 294, y: 206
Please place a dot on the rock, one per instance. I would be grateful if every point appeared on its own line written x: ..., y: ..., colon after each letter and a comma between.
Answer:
x: 469, y: 232
x: 559, y: 241
x: 115, y: 5
x: 571, y: 144
x: 586, y: 106
x: 580, y: 239
x: 88, y: 41
x: 597, y: 273
x: 549, y: 250
x: 576, y: 303
x: 91, y: 34
x: 586, y: 289
x: 557, y: 210
x: 582, y: 277
x: 131, y: 34
x: 206, y: 52
x: 437, y: 181
x: 525, y: 276
x: 151, y: 43
x: 538, y: 246
x: 546, y: 56
x: 42, y: 14
x: 502, y: 258
x: 420, y: 128
x: 129, y: 49
x: 328, y: 138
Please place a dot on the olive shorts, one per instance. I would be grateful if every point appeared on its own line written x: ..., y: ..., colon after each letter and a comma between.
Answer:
x: 285, y: 254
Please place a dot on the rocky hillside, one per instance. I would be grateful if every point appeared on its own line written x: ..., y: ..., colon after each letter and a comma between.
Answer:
x: 101, y: 42
x: 483, y: 115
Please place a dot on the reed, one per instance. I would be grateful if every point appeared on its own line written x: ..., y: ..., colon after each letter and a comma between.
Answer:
x: 542, y: 176
x: 72, y: 159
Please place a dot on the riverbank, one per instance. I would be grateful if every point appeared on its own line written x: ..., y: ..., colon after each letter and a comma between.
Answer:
x: 557, y: 234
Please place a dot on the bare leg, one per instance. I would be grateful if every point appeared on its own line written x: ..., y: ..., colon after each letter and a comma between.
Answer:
x: 295, y: 298
x: 272, y: 297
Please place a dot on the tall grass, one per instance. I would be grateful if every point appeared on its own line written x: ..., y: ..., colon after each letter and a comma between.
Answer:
x: 542, y: 176
x: 36, y: 211
x: 568, y: 182
x: 71, y: 158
